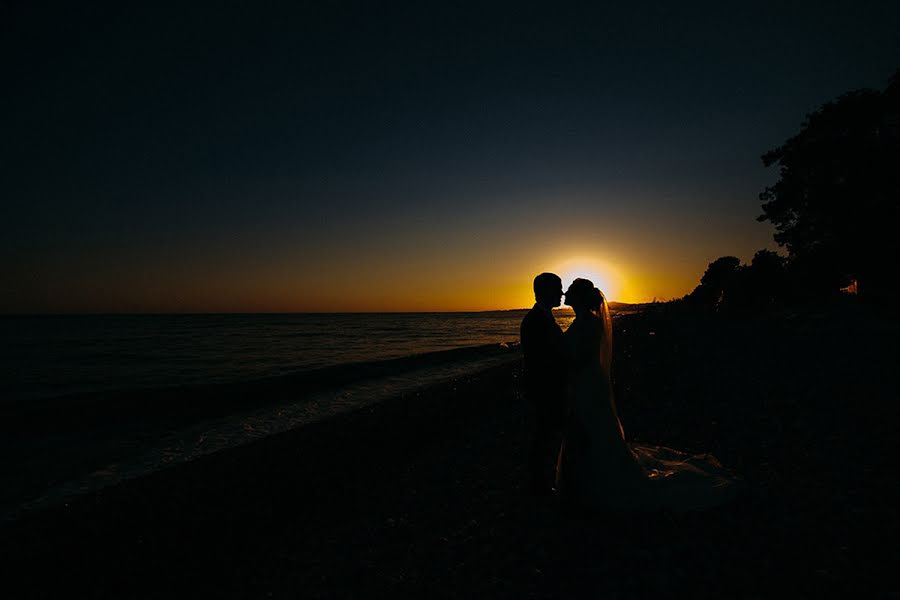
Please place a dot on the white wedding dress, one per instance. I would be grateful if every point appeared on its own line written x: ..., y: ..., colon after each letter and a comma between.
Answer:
x: 597, y: 467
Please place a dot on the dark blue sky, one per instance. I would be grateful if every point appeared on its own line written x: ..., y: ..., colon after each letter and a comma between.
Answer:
x: 191, y: 158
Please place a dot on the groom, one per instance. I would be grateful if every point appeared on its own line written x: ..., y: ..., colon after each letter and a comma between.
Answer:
x: 545, y: 380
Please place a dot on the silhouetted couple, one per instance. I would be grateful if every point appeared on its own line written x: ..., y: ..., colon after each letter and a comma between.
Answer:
x: 579, y: 446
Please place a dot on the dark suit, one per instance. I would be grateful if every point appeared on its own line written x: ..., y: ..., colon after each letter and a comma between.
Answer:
x: 545, y: 390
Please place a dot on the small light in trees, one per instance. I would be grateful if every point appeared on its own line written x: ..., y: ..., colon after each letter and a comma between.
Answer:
x: 852, y: 289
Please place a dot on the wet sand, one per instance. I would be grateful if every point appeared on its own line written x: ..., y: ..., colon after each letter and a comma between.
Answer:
x: 426, y: 495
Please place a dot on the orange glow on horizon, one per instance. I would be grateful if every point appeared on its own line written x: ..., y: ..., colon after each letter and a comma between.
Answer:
x: 410, y: 287
x: 450, y: 270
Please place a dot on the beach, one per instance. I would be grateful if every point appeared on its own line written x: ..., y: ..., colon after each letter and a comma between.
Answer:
x: 425, y: 494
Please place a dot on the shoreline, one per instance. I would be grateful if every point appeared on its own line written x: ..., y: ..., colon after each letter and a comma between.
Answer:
x: 321, y: 462
x: 102, y: 450
x: 426, y: 495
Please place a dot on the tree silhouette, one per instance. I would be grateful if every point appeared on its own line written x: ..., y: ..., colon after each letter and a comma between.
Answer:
x: 767, y: 282
x: 836, y: 204
x: 716, y: 282
x: 727, y: 285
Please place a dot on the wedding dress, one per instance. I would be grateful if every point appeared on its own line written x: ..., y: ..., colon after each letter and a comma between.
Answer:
x: 597, y: 467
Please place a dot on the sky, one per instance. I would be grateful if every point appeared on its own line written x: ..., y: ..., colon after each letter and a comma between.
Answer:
x: 335, y: 156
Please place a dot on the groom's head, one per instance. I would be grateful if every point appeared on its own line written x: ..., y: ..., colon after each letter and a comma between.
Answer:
x: 548, y: 289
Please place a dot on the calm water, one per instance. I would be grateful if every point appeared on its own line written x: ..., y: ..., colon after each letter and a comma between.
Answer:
x: 52, y: 356
x: 49, y: 358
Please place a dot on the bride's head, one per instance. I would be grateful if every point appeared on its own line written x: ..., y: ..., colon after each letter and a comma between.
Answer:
x: 582, y: 296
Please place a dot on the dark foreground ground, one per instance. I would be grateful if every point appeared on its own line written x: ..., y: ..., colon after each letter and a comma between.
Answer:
x: 425, y: 496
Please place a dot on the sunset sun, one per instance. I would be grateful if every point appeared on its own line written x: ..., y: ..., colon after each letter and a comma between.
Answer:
x: 605, y: 276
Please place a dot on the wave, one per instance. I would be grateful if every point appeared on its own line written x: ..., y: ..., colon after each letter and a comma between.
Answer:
x: 96, y: 408
x: 85, y: 442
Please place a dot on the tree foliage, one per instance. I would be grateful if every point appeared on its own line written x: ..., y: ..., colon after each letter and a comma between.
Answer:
x: 836, y: 204
x: 716, y: 282
x: 728, y: 285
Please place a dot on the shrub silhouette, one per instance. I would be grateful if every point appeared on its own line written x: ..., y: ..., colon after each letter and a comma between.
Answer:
x: 716, y: 283
x: 727, y: 285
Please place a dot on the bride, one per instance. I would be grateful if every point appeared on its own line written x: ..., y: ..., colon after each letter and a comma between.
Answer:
x: 597, y: 467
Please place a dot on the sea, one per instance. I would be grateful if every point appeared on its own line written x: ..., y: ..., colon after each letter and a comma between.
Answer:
x: 91, y: 400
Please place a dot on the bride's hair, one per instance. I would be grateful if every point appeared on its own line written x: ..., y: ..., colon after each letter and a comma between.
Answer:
x: 584, y: 292
x: 587, y: 294
x: 596, y: 300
